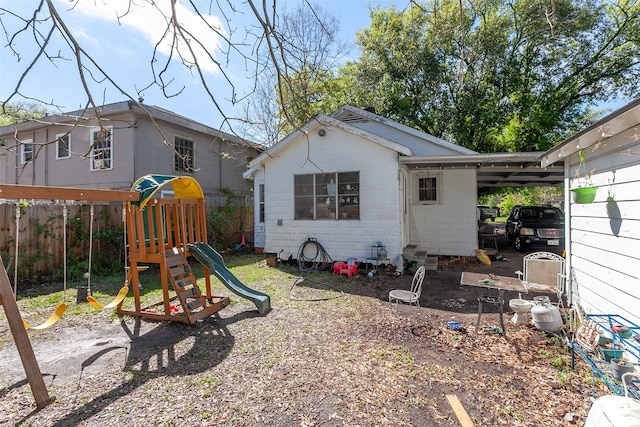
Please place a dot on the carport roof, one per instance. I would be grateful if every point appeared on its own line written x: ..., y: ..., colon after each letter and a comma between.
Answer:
x: 495, y: 169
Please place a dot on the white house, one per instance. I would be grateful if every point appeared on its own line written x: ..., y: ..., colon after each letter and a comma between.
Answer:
x: 603, y: 237
x: 355, y: 178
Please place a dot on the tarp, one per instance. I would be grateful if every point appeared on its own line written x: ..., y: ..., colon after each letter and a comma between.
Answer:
x: 183, y: 187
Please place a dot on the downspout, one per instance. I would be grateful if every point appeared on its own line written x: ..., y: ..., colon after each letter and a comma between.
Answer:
x: 219, y: 164
x: 46, y: 157
x: 567, y: 233
x: 17, y: 160
x: 34, y: 155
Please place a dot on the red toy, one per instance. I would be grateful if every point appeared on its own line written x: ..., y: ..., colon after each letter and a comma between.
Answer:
x: 349, y: 270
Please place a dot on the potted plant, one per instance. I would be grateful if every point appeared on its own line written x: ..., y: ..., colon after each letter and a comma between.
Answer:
x: 585, y: 192
x: 620, y: 367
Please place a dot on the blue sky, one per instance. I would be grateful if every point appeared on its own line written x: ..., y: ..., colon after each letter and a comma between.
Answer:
x: 124, y: 49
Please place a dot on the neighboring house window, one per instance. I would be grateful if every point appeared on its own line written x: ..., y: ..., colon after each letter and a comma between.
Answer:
x: 428, y: 189
x: 101, y: 148
x: 26, y: 151
x: 63, y: 146
x: 327, y: 196
x: 183, y: 157
x: 261, y: 190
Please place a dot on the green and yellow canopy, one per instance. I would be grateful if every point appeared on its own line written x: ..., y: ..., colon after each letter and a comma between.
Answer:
x: 183, y: 187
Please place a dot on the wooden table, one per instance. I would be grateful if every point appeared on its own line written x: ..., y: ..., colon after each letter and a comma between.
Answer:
x: 499, y: 283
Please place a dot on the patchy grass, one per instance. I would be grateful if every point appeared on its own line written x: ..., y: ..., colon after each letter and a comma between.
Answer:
x: 331, y: 352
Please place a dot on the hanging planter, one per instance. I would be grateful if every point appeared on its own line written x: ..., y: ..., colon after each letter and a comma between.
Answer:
x: 584, y: 195
x: 585, y: 192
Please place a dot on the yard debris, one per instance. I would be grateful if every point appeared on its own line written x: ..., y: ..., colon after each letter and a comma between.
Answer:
x: 353, y: 360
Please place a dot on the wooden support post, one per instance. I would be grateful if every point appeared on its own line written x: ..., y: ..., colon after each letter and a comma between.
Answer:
x: 21, y: 338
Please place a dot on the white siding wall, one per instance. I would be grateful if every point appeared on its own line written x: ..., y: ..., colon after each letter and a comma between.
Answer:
x: 448, y: 227
x: 605, y: 237
x: 259, y: 229
x: 338, y: 151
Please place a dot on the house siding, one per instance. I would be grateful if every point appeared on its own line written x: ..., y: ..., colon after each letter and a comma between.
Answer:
x: 449, y: 226
x: 605, y: 235
x: 45, y: 169
x: 338, y: 151
x: 138, y: 149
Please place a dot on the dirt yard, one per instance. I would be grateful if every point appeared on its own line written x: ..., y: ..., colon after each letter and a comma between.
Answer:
x: 330, y: 356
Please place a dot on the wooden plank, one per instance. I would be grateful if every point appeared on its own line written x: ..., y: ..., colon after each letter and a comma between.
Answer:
x: 193, y: 304
x: 65, y: 193
x: 211, y: 309
x: 189, y: 293
x: 458, y: 409
x: 23, y: 344
x: 185, y: 282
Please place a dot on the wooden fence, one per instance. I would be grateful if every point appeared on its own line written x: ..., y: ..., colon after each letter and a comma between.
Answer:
x: 41, y: 239
x: 41, y: 233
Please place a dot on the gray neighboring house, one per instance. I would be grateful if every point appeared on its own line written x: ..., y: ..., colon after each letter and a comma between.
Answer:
x: 603, y: 237
x: 77, y: 149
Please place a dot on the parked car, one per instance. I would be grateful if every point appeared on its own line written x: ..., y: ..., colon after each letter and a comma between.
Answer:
x: 541, y: 227
x: 487, y: 212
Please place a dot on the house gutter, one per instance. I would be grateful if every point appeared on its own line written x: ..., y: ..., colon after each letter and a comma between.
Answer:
x: 474, y: 159
x: 612, y: 124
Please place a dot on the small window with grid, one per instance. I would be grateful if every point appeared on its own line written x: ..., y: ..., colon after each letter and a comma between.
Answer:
x: 428, y: 191
x: 183, y: 160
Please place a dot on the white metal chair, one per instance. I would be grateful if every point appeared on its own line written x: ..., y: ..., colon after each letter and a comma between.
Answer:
x: 410, y: 296
x: 541, y: 271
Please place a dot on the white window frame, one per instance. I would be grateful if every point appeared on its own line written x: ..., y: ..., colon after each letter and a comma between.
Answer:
x: 26, y: 150
x: 176, y: 156
x: 98, y: 160
x: 438, y: 188
x: 329, y: 200
x: 60, y: 137
x: 261, y: 204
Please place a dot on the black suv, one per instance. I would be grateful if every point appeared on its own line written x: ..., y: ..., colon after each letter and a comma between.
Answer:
x: 540, y: 226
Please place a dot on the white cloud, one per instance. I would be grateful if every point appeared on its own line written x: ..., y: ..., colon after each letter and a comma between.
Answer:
x: 150, y: 18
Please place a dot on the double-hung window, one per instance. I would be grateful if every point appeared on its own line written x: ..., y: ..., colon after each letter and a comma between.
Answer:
x: 183, y: 155
x: 101, y: 148
x: 327, y: 196
x: 428, y: 188
x: 63, y: 146
x: 26, y: 151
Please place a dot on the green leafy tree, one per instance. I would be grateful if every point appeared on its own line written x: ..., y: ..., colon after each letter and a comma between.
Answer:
x: 495, y: 75
x: 21, y: 112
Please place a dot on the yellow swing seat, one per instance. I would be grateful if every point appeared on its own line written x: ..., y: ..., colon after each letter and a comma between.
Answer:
x: 117, y: 300
x: 52, y: 319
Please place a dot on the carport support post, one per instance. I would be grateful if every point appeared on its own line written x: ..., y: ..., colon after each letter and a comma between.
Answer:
x: 21, y: 338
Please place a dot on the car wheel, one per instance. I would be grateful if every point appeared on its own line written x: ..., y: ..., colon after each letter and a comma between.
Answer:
x: 518, y: 243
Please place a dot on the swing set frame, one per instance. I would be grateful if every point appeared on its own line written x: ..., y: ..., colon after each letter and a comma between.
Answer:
x: 159, y: 231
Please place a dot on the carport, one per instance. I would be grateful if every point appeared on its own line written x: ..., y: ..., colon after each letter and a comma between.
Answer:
x: 496, y: 169
x: 493, y: 170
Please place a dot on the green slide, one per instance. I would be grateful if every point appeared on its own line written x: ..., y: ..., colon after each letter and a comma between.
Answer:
x: 211, y: 259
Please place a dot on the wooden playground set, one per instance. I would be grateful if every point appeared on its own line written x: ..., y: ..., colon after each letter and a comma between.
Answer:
x: 159, y: 230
